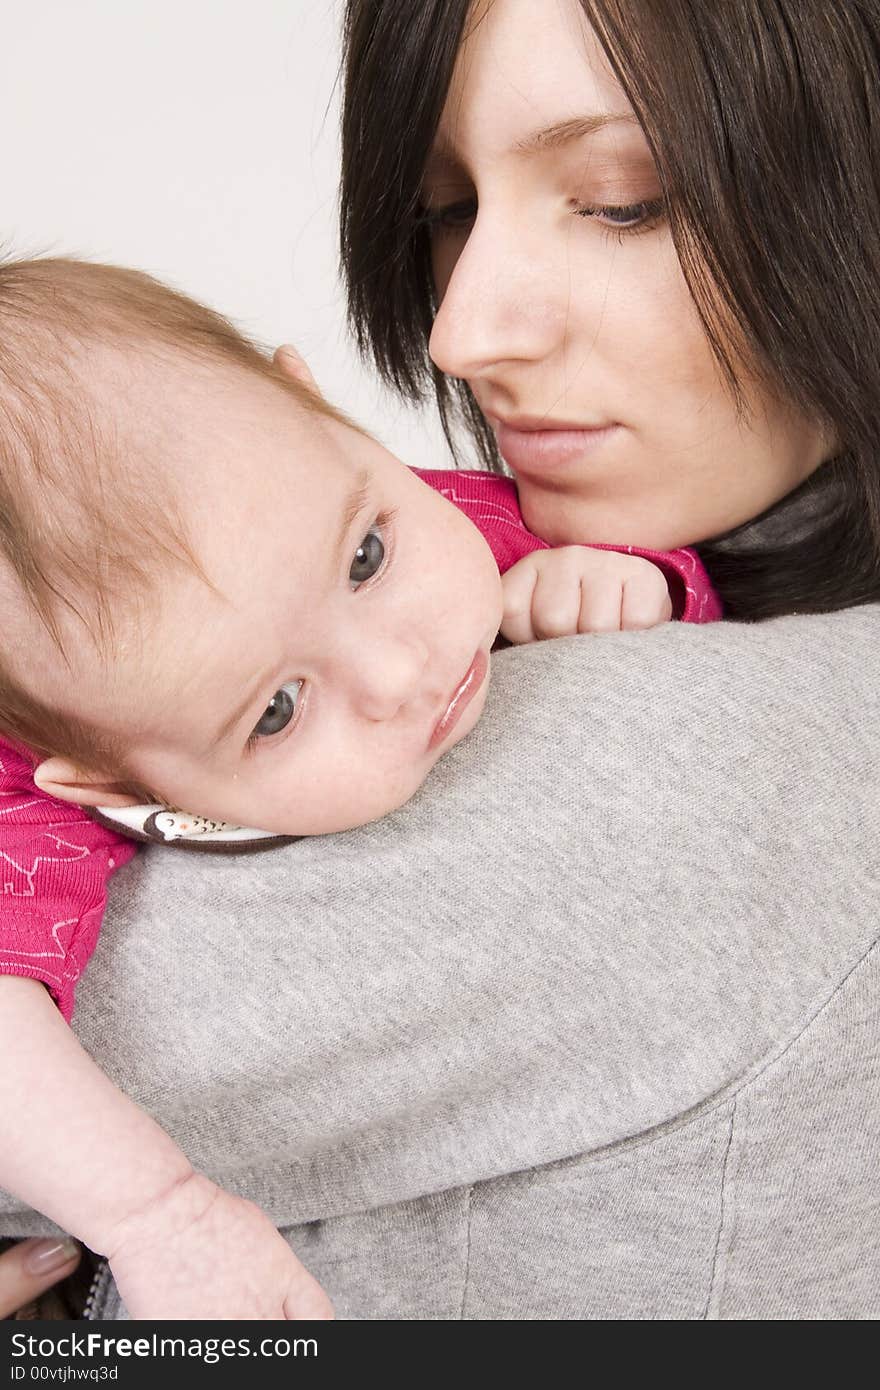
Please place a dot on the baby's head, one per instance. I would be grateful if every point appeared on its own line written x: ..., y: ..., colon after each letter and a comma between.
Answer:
x: 214, y: 589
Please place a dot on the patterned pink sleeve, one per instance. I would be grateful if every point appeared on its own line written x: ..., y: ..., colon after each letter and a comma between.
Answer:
x: 492, y: 504
x: 54, y: 867
x: 690, y: 588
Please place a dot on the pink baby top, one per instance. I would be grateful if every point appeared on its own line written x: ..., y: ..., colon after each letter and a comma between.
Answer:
x: 54, y: 866
x: 55, y: 861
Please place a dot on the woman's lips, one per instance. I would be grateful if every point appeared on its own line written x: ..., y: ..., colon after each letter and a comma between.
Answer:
x: 542, y: 450
x: 461, y: 697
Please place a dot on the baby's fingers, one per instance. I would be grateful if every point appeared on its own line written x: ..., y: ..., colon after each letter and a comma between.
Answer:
x: 601, y: 604
x: 556, y: 602
x: 306, y: 1300
x: 646, y: 600
x: 518, y: 585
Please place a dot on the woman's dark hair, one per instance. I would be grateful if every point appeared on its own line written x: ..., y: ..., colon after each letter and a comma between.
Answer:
x: 763, y: 118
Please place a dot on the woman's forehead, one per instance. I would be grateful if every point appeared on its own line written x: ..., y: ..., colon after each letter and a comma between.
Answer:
x: 523, y: 74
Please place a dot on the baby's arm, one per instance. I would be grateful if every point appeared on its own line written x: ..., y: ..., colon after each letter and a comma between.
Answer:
x: 77, y: 1149
x: 556, y: 593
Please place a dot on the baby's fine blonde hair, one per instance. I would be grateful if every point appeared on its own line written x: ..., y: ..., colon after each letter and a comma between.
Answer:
x: 82, y: 526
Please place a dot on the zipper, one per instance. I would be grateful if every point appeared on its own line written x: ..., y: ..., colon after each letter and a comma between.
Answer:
x: 97, y: 1289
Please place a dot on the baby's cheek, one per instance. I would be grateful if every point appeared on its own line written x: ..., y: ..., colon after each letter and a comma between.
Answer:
x: 478, y: 581
x: 374, y: 793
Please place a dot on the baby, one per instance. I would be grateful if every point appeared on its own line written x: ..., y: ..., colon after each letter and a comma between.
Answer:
x: 217, y: 593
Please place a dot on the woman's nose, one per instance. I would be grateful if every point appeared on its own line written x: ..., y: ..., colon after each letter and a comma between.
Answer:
x: 386, y: 674
x: 498, y: 305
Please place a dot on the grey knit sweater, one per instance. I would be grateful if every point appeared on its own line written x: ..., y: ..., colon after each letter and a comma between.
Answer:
x: 590, y: 1029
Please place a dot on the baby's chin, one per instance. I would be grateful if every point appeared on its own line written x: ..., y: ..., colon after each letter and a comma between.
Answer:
x: 332, y: 818
x: 354, y: 817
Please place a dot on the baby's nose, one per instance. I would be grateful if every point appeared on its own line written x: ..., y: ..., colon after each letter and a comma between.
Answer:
x: 389, y: 675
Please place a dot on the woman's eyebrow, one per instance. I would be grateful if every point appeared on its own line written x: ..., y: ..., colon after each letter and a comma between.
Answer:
x: 443, y: 154
x: 560, y: 133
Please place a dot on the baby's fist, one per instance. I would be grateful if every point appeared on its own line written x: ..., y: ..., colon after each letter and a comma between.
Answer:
x: 557, y: 593
x: 201, y: 1253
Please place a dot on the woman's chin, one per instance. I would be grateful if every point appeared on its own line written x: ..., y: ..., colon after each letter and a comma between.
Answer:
x: 595, y: 517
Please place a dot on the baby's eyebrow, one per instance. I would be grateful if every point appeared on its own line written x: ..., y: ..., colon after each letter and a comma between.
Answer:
x: 238, y: 713
x: 355, y: 500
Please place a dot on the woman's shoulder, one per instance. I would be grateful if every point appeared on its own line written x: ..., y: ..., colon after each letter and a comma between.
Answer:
x: 636, y: 881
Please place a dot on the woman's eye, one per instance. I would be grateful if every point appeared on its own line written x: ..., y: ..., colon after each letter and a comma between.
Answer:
x: 279, y: 711
x: 632, y: 217
x: 368, y: 557
x: 453, y: 216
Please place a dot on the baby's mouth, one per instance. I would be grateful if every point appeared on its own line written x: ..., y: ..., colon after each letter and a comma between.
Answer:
x: 464, y: 692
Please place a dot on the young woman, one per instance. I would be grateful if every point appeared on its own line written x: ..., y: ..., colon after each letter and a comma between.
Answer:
x: 663, y: 219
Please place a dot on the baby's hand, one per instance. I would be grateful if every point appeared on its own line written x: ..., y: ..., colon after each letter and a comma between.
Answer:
x: 201, y: 1253
x: 556, y: 593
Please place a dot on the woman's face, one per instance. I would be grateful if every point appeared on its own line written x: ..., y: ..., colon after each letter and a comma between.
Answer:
x: 563, y: 305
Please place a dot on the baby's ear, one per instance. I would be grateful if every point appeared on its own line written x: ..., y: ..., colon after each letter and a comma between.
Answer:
x: 62, y: 778
x: 291, y: 364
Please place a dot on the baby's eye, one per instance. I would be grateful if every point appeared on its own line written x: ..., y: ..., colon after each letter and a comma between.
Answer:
x: 368, y: 557
x: 279, y: 711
